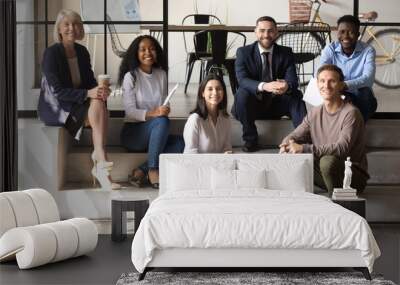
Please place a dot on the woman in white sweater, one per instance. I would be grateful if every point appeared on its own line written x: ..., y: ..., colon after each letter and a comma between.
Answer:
x: 208, y: 128
x: 144, y: 87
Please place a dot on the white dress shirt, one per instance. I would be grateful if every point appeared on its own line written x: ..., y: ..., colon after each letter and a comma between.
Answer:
x: 202, y: 136
x: 145, y: 94
x: 270, y: 51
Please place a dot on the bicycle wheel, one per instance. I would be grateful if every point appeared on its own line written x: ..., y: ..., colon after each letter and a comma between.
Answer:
x: 306, y: 49
x: 387, y: 47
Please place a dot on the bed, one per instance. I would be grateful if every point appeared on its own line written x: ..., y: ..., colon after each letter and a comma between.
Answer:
x: 247, y: 210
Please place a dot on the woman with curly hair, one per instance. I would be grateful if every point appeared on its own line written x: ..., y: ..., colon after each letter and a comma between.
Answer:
x: 144, y: 87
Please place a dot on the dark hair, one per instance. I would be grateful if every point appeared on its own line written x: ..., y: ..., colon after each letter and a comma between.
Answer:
x: 331, y: 67
x: 130, y: 61
x: 201, y: 108
x: 266, y: 18
x: 350, y: 19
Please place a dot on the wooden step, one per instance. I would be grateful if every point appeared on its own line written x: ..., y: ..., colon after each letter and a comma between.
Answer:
x: 79, y: 164
x: 383, y: 164
x: 382, y: 203
x: 379, y: 133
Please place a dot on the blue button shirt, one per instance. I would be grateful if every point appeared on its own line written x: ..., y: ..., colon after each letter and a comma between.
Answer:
x: 358, y: 68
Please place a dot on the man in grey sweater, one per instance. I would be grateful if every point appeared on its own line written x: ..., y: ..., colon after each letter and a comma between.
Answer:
x: 333, y: 131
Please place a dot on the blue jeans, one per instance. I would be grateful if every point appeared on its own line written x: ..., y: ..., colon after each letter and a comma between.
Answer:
x: 151, y: 136
x: 364, y: 100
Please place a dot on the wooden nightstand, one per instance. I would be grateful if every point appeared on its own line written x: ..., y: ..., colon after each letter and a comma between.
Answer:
x: 356, y: 205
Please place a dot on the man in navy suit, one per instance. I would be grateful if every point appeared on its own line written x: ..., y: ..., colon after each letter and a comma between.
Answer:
x: 267, y: 83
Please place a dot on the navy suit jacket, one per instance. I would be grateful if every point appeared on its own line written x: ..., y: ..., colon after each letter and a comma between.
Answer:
x: 57, y: 94
x: 248, y: 66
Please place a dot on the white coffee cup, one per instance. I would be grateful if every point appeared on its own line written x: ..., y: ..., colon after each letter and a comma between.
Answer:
x: 104, y: 80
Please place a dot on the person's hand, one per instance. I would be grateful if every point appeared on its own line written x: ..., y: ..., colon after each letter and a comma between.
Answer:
x: 283, y: 148
x: 294, y: 147
x: 162, y: 111
x: 278, y: 87
x: 93, y: 93
x: 99, y: 93
x: 105, y: 92
x: 282, y: 87
x: 228, y: 152
x: 269, y: 87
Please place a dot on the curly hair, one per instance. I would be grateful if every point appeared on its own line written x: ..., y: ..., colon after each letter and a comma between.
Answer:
x: 350, y: 19
x: 130, y: 61
x: 201, y: 107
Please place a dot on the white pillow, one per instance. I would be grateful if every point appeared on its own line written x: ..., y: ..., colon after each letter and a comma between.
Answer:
x: 251, y: 179
x: 189, y: 176
x: 282, y: 173
x: 223, y: 179
x: 230, y: 180
x: 293, y: 180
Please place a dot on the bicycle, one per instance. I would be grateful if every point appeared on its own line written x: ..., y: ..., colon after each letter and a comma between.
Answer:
x: 387, y: 46
x: 386, y: 41
x: 307, y: 35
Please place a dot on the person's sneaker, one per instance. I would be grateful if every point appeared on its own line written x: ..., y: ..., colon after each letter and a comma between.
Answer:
x: 250, y: 147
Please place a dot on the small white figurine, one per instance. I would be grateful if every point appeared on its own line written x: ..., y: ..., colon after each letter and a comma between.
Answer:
x: 347, y: 174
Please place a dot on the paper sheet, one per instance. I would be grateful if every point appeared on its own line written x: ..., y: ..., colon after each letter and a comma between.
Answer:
x: 312, y: 95
x: 170, y: 94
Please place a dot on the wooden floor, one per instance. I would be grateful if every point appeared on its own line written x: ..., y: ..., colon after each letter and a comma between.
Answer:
x: 110, y: 260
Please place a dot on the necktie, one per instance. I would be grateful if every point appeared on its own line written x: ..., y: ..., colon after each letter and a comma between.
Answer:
x: 266, y: 74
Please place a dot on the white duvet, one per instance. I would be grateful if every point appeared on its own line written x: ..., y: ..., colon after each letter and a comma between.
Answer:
x: 250, y: 219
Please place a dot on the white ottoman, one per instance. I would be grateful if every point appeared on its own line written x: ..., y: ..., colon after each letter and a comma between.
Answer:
x: 31, y: 232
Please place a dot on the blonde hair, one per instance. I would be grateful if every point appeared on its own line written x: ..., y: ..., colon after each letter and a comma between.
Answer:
x: 70, y: 14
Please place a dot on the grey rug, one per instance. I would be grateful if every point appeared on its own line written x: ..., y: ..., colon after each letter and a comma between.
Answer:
x: 243, y: 278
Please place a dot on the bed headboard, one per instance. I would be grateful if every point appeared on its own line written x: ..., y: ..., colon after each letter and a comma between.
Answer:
x: 284, y: 171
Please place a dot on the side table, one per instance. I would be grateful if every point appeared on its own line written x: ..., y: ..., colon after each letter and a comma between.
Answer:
x: 356, y: 205
x: 119, y: 207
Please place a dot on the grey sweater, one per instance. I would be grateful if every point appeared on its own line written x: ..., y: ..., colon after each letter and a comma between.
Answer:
x: 340, y: 134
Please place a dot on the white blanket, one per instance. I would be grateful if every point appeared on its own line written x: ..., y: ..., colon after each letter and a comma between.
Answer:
x: 250, y: 219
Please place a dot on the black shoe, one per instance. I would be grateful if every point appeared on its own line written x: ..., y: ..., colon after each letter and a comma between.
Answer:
x: 138, y: 181
x: 250, y: 147
x: 155, y: 185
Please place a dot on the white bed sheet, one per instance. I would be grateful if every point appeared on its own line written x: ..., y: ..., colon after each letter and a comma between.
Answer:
x: 253, y: 218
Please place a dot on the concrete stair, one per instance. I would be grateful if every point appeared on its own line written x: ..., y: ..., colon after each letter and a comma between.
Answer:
x: 50, y: 159
x: 383, y: 142
x: 382, y: 203
x: 384, y: 164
